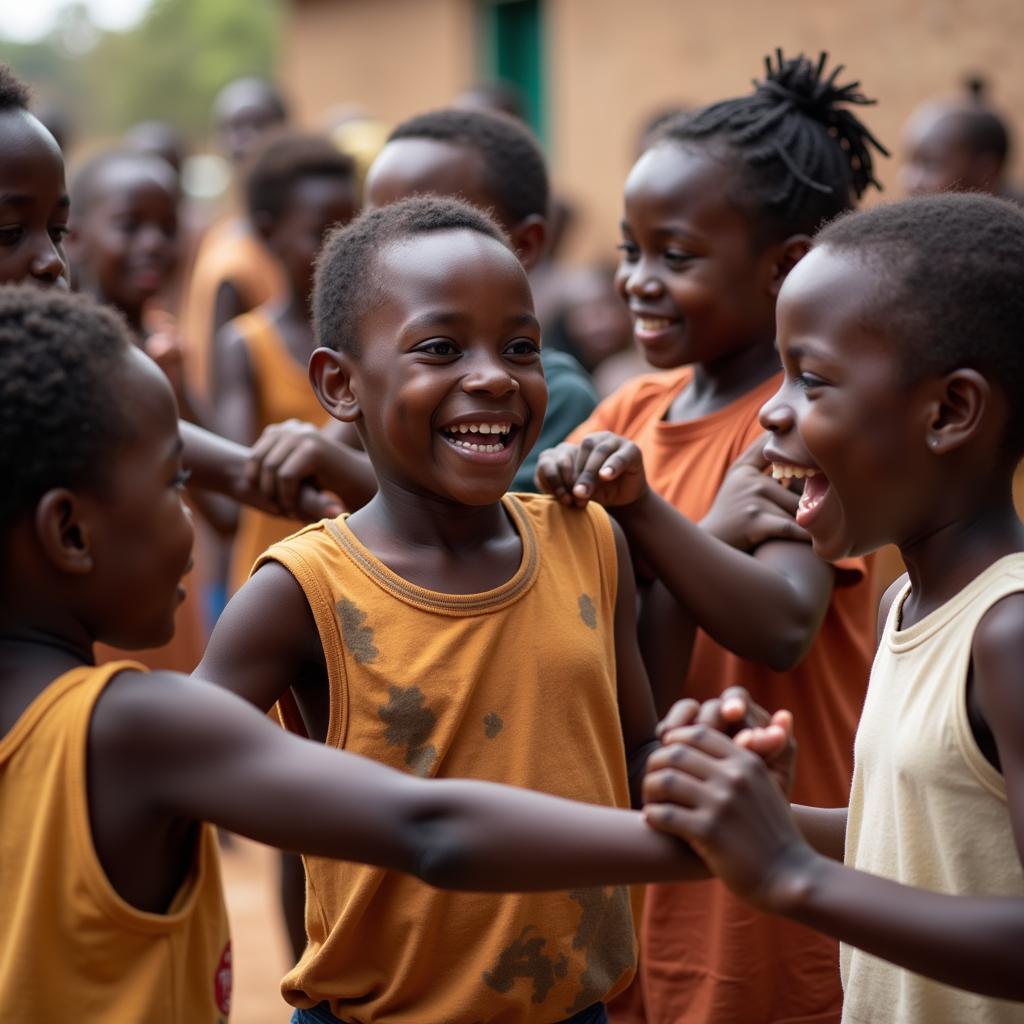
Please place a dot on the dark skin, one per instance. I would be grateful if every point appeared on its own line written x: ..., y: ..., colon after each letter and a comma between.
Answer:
x: 34, y: 208
x: 288, y: 453
x: 454, y: 342
x: 936, y: 448
x: 315, y: 204
x: 702, y: 293
x: 166, y: 752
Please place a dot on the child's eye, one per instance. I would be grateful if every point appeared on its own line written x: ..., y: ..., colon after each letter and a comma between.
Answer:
x: 11, y: 235
x: 181, y: 478
x: 522, y: 347
x: 630, y: 251
x: 808, y: 382
x: 438, y: 347
x: 677, y: 257
x: 58, y: 233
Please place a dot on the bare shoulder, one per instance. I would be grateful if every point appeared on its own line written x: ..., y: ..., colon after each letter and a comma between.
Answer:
x: 997, y: 651
x: 265, y: 638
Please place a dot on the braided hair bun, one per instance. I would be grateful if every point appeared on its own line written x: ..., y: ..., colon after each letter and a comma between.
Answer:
x: 802, y: 155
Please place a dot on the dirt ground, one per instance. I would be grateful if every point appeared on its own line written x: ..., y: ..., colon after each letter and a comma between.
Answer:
x: 259, y: 949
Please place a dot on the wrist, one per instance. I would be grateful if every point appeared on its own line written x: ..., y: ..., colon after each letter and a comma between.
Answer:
x: 636, y: 509
x: 797, y: 876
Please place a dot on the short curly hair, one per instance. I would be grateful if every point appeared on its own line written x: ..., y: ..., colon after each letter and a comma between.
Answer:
x: 346, y: 285
x: 515, y: 175
x: 14, y: 94
x: 60, y: 357
x: 950, y: 285
x: 286, y: 159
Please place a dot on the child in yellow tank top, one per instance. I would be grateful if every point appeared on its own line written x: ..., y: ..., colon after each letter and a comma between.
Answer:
x: 445, y: 629
x: 110, y: 902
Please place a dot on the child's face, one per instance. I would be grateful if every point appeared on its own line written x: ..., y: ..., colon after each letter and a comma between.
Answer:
x: 452, y: 344
x: 33, y: 204
x: 697, y: 286
x: 843, y: 410
x: 126, y: 244
x: 938, y: 156
x: 142, y: 531
x: 315, y: 204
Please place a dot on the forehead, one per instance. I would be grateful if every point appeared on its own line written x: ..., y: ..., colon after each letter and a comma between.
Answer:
x: 679, y: 182
x: 135, y: 181
x: 30, y: 159
x: 315, y: 193
x: 936, y: 126
x: 458, y: 272
x: 147, y: 400
x: 406, y: 167
x: 830, y: 295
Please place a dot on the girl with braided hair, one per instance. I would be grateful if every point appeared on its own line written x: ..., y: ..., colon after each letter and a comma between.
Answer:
x: 717, y: 211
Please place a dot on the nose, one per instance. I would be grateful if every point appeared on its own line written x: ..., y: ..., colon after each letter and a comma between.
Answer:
x: 777, y: 414
x: 48, y: 264
x: 488, y: 375
x: 642, y: 282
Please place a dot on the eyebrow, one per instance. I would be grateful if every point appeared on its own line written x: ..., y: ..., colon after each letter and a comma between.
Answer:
x: 668, y: 231
x: 24, y: 199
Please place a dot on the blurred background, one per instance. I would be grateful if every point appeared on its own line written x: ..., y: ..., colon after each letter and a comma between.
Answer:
x: 588, y: 74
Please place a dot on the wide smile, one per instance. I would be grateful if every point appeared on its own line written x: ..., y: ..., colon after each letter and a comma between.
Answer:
x: 487, y: 442
x: 648, y: 329
x: 815, y: 489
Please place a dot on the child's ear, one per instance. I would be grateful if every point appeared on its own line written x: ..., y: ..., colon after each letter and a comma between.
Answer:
x: 63, y: 532
x: 962, y: 399
x: 330, y: 373
x: 530, y: 240
x: 787, y: 255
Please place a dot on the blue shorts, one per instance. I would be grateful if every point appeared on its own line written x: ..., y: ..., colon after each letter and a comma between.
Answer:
x: 319, y: 1014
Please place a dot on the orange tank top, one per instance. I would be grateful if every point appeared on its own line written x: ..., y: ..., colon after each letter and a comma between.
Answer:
x: 283, y: 392
x: 71, y: 949
x: 515, y: 685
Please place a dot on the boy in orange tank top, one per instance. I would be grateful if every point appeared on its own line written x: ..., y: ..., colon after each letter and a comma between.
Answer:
x: 445, y: 629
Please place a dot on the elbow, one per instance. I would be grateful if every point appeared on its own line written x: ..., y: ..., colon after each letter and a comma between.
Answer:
x: 787, y: 646
x: 439, y: 854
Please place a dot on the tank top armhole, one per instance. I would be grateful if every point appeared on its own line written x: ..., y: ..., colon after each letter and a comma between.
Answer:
x: 329, y: 634
x: 607, y: 551
x: 986, y: 774
x: 116, y: 909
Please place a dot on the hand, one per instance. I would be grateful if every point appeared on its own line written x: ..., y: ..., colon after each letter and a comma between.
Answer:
x: 721, y: 798
x: 285, y: 461
x: 751, y: 507
x: 603, y: 467
x: 750, y: 726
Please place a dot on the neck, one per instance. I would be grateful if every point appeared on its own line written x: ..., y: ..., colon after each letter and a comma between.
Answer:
x: 737, y: 373
x: 399, y: 516
x: 943, y: 559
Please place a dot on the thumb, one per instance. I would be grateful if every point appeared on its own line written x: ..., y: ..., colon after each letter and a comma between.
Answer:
x: 314, y: 505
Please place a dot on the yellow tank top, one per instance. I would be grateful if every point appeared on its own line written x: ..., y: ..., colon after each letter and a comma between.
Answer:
x: 283, y: 392
x: 71, y: 949
x: 926, y: 808
x: 515, y: 685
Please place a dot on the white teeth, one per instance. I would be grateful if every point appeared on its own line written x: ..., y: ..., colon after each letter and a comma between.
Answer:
x: 652, y: 323
x: 470, y: 446
x: 784, y: 471
x: 480, y: 428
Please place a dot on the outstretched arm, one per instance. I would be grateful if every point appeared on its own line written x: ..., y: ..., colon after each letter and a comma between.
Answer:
x: 737, y: 819
x: 767, y: 607
x: 176, y: 748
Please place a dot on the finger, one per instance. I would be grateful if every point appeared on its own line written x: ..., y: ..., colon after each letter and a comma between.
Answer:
x: 683, y: 712
x: 559, y: 472
x: 766, y: 742
x: 546, y: 476
x: 592, y: 456
x: 270, y: 469
x: 290, y: 476
x: 772, y: 526
x: 737, y: 706
x: 682, y: 822
x: 684, y: 757
x: 701, y: 740
x: 313, y: 505
x: 669, y: 786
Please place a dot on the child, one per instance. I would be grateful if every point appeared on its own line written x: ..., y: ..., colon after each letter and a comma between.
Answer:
x: 716, y: 214
x: 110, y: 899
x: 446, y: 629
x: 297, y: 188
x: 900, y: 336
x: 495, y: 163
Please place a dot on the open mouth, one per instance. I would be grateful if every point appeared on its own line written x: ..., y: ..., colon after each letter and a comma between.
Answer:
x: 488, y: 438
x: 815, y: 489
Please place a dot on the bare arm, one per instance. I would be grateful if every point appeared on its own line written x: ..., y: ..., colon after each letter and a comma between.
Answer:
x: 170, y: 749
x: 666, y: 634
x: 738, y: 820
x: 766, y: 607
x: 636, y: 704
